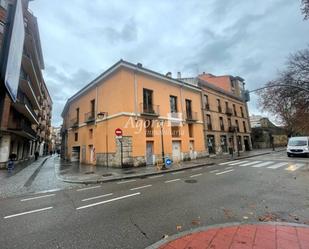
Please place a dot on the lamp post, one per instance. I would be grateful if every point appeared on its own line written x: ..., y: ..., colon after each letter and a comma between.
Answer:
x: 101, y: 115
x: 162, y: 143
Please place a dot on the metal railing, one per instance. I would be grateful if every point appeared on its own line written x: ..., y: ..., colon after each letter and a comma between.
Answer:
x: 191, y: 116
x: 74, y: 122
x: 229, y: 111
x: 23, y: 99
x: 89, y: 117
x: 152, y: 110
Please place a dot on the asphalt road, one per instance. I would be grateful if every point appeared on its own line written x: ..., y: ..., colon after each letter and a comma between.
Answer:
x: 137, y: 213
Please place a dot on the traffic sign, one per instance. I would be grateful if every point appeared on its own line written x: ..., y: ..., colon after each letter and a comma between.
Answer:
x: 168, y: 162
x: 118, y: 132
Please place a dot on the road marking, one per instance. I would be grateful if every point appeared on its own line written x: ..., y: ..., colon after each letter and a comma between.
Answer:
x: 28, y: 212
x: 229, y: 162
x: 155, y: 176
x: 146, y: 186
x: 195, y: 169
x: 224, y: 172
x: 262, y: 164
x: 126, y: 181
x: 239, y: 162
x: 37, y: 197
x: 295, y: 167
x: 229, y: 168
x: 178, y: 172
x: 277, y: 165
x: 83, y: 189
x: 213, y: 171
x: 174, y: 180
x: 107, y: 201
x: 97, y: 197
x: 196, y: 175
x: 251, y: 163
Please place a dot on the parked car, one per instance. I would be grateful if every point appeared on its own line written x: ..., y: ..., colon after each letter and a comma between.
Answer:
x: 298, y: 146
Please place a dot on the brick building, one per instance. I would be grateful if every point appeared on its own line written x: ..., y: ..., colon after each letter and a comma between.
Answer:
x: 24, y: 121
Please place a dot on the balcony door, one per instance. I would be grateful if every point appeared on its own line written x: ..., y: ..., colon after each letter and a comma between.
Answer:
x: 189, y: 108
x: 147, y: 101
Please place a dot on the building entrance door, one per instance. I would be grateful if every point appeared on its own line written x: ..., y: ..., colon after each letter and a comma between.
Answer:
x: 176, y: 151
x: 211, y: 144
x: 75, y: 154
x: 91, y: 153
x: 149, y: 153
x: 246, y: 142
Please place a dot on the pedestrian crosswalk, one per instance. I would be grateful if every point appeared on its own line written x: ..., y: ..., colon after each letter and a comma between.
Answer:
x: 288, y: 166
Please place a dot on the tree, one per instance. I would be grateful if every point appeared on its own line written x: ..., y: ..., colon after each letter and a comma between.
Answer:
x: 305, y: 8
x: 289, y: 104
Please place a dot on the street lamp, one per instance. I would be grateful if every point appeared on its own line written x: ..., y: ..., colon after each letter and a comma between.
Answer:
x: 162, y: 144
x: 101, y: 115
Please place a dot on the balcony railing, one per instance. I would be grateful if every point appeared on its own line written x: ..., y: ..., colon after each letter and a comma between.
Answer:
x: 191, y: 116
x: 89, y: 117
x: 23, y: 126
x: 149, y: 110
x: 222, y: 127
x: 74, y: 123
x: 233, y: 128
x: 209, y: 127
x: 23, y: 99
x: 229, y: 111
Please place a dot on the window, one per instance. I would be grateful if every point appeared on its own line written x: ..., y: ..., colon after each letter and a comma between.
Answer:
x: 244, y: 124
x: 219, y: 105
x: 175, y: 131
x: 208, y: 122
x: 77, y: 115
x: 147, y: 101
x: 189, y: 108
x: 190, y: 127
x: 221, y: 124
x: 206, y: 101
x: 76, y: 136
x: 229, y: 122
x: 234, y: 109
x: 149, y: 128
x: 92, y: 107
x: 242, y: 112
x: 90, y: 133
x: 237, y: 125
x: 173, y: 104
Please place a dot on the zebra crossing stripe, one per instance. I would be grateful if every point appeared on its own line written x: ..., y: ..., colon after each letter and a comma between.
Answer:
x: 262, y: 164
x: 251, y: 163
x: 227, y: 162
x: 240, y: 162
x: 277, y: 165
x: 294, y: 167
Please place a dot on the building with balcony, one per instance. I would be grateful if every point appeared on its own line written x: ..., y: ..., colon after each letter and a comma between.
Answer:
x: 25, y: 122
x: 225, y: 114
x: 159, y: 117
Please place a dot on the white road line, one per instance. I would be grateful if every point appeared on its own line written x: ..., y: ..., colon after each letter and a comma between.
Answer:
x: 195, y: 169
x: 156, y: 176
x: 229, y: 162
x: 146, y: 186
x: 277, y: 165
x: 126, y: 181
x: 37, y: 197
x: 251, y: 163
x: 107, y: 201
x: 174, y: 180
x: 262, y: 164
x: 97, y: 197
x: 294, y: 167
x: 224, y: 172
x: 28, y: 212
x: 240, y: 162
x: 83, y: 189
x: 229, y: 168
x: 196, y: 175
x: 213, y: 171
x: 178, y: 172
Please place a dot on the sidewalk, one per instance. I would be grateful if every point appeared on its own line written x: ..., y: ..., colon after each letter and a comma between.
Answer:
x: 240, y: 236
x: 88, y: 174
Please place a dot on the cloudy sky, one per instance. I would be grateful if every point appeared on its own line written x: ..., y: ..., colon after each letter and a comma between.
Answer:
x: 81, y: 39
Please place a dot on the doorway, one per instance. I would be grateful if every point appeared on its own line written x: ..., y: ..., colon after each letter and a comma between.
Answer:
x: 211, y: 144
x: 246, y: 142
x: 191, y: 148
x: 149, y: 153
x: 75, y: 154
x: 176, y: 151
x: 91, y: 153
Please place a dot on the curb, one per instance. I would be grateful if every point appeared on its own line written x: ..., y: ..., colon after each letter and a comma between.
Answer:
x: 205, y: 228
x: 154, y: 173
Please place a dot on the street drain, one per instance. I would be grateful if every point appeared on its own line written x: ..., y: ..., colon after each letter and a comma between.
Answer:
x: 108, y: 174
x: 191, y: 181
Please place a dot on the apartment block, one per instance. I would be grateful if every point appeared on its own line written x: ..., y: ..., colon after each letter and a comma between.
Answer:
x: 158, y: 115
x: 25, y: 121
x: 225, y: 113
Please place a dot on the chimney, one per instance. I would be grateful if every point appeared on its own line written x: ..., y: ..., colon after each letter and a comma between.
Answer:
x: 169, y: 74
x: 178, y: 75
x: 139, y: 65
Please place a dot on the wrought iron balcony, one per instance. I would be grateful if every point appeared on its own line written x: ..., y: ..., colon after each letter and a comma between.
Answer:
x: 74, y: 123
x: 229, y: 111
x: 191, y: 116
x: 149, y: 110
x: 89, y: 117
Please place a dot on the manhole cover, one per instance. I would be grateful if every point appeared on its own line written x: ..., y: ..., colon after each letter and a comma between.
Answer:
x: 191, y: 181
x: 108, y: 174
x: 129, y: 172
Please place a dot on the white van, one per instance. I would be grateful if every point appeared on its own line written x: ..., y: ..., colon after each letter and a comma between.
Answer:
x: 298, y: 146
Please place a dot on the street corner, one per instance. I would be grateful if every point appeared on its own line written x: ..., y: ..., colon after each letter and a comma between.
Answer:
x: 240, y: 235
